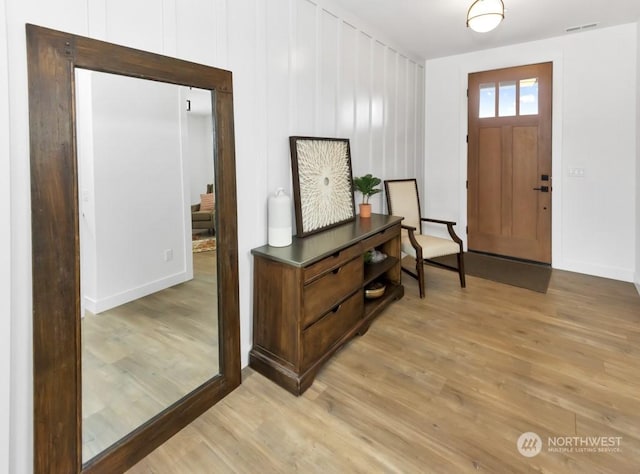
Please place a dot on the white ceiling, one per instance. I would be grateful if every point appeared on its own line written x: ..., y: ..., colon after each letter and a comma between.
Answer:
x: 436, y: 28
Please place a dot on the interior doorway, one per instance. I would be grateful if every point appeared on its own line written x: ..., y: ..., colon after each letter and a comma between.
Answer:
x: 509, y: 162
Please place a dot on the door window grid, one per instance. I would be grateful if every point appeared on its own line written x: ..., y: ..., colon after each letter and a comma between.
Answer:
x: 529, y: 96
x: 512, y: 98
x: 487, y: 100
x: 507, y: 99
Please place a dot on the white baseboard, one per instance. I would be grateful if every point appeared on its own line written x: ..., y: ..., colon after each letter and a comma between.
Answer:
x: 637, y: 283
x: 614, y: 273
x: 97, y: 306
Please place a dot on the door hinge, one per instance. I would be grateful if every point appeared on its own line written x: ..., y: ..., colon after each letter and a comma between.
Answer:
x: 467, y: 138
x: 467, y: 184
x: 467, y: 229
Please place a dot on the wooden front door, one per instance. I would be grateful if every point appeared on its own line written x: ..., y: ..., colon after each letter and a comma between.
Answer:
x: 509, y: 162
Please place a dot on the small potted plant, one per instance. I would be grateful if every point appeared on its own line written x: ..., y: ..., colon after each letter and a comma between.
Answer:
x: 367, y: 186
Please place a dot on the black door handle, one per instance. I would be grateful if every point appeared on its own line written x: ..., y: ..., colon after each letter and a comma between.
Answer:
x: 542, y: 189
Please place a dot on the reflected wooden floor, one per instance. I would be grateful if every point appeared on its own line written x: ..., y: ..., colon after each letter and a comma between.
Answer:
x: 139, y: 358
x: 446, y: 384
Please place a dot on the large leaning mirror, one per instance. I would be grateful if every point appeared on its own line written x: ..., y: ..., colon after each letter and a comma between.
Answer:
x: 135, y: 285
x: 147, y: 250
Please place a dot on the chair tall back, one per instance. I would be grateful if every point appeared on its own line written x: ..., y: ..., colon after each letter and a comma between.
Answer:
x: 403, y: 200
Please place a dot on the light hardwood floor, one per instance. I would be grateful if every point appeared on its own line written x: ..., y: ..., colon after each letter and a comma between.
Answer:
x: 140, y: 357
x: 446, y: 384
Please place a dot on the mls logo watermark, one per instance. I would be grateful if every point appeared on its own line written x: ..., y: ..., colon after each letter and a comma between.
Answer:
x: 529, y: 444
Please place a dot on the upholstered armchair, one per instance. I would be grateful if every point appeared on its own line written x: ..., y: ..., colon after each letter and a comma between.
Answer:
x: 403, y: 200
x: 204, y: 217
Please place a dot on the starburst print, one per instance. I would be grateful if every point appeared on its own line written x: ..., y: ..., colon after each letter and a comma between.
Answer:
x: 325, y: 183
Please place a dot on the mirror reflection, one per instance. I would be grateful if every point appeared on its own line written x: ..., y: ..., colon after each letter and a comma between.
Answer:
x: 147, y: 250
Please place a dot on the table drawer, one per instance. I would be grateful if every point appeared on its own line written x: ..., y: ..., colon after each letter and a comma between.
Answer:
x: 319, y: 337
x: 331, y: 262
x: 379, y: 238
x: 324, y: 293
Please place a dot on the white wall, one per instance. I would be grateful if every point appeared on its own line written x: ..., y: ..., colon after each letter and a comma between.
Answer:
x: 198, y: 142
x: 199, y: 154
x: 86, y: 187
x: 299, y: 67
x: 133, y: 204
x: 637, y: 278
x: 594, y: 80
x: 5, y: 251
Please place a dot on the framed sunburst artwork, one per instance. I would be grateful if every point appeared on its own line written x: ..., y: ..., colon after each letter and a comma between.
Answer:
x: 322, y: 183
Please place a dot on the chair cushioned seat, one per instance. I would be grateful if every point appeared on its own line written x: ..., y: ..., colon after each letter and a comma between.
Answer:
x: 431, y: 246
x: 201, y: 216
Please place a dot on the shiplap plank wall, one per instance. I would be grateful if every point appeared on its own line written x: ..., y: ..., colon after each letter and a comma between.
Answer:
x: 300, y: 68
x: 345, y: 83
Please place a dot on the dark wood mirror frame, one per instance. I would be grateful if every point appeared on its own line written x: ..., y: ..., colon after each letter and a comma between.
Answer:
x: 52, y: 59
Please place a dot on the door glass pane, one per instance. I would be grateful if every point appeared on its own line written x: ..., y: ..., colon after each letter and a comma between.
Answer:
x: 487, y: 100
x: 529, y: 96
x: 507, y: 99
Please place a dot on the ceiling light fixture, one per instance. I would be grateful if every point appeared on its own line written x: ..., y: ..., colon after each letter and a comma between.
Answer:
x: 485, y: 15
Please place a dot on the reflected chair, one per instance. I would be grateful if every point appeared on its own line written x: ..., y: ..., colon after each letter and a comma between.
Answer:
x: 403, y: 200
x: 203, y: 219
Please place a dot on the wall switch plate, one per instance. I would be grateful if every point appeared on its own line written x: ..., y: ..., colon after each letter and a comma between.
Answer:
x: 576, y: 172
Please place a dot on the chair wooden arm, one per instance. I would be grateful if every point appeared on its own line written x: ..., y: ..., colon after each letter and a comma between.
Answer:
x: 449, y: 224
x: 412, y: 238
x: 437, y: 221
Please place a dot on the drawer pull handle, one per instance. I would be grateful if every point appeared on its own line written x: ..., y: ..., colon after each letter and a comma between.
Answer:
x: 337, y: 270
x: 337, y: 308
x: 336, y: 255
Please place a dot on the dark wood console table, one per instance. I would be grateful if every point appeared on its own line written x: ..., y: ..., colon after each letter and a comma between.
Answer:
x: 309, y: 299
